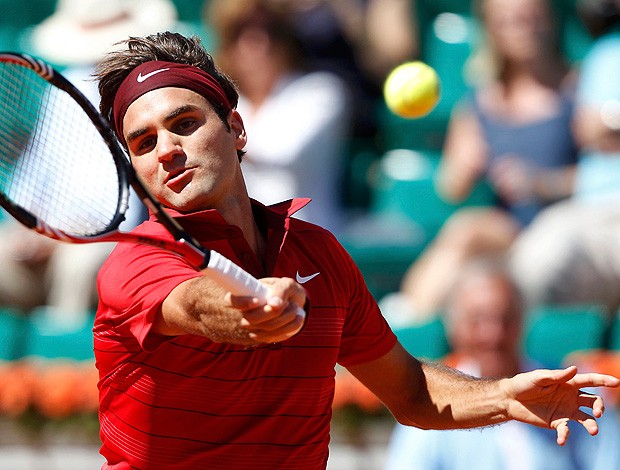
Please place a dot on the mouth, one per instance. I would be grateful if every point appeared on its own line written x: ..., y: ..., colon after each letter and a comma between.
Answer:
x: 176, y: 180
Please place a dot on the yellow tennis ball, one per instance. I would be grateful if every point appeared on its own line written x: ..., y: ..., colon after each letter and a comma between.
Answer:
x: 412, y: 90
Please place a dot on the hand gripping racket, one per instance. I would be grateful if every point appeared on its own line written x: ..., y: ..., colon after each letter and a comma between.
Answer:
x: 64, y: 174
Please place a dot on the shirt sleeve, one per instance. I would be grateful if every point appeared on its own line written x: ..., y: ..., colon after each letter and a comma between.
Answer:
x: 366, y: 334
x: 133, y: 284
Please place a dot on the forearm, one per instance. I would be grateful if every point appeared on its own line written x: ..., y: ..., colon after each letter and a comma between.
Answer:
x: 454, y: 184
x: 464, y: 156
x: 202, y: 307
x: 432, y: 396
x: 198, y: 307
x: 450, y: 399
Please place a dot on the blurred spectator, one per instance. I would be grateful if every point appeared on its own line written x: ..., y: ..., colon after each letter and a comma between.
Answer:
x: 359, y: 40
x: 79, y: 32
x: 484, y: 325
x: 36, y: 271
x: 299, y: 119
x: 367, y: 37
x: 23, y: 263
x: 514, y: 132
x: 391, y: 36
x: 571, y: 253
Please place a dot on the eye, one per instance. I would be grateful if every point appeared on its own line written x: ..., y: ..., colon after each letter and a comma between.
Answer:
x: 186, y: 126
x: 145, y: 144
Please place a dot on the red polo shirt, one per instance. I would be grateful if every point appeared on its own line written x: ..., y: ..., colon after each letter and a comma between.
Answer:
x: 185, y: 402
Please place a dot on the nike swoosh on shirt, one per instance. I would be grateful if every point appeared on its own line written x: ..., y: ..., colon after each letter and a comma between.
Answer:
x: 140, y: 78
x: 303, y: 279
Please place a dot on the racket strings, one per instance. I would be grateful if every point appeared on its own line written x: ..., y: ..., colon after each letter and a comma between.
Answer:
x: 53, y: 161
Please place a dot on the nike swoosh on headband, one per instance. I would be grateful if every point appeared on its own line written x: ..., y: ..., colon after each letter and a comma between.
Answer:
x: 303, y: 279
x: 140, y: 78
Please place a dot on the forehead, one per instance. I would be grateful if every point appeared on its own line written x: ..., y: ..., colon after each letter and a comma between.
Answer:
x: 162, y: 101
x: 513, y: 8
x: 494, y: 292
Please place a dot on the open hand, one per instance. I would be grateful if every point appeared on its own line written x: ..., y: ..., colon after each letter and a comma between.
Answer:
x: 551, y: 398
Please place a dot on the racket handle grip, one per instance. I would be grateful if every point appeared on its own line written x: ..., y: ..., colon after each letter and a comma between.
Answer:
x: 237, y: 281
x: 234, y: 279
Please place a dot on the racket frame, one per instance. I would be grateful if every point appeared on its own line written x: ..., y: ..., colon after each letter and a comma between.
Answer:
x: 184, y: 244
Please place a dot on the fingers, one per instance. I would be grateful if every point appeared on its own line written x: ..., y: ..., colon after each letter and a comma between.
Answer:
x: 584, y: 400
x: 562, y: 393
x: 278, y: 319
x: 286, y: 289
x: 595, y: 380
x: 590, y: 424
x: 570, y: 376
x: 594, y: 402
x: 279, y: 328
x: 545, y: 377
x: 563, y: 432
x: 563, y: 375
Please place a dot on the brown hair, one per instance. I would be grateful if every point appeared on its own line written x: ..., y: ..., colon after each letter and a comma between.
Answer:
x: 599, y: 16
x: 485, y: 65
x: 166, y: 46
x: 230, y: 17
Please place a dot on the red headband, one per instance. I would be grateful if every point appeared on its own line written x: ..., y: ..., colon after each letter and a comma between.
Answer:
x: 156, y: 74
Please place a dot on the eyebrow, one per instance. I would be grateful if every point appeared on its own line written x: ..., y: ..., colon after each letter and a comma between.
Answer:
x: 170, y: 116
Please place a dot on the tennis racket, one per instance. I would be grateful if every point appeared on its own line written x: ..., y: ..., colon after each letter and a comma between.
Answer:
x: 64, y: 174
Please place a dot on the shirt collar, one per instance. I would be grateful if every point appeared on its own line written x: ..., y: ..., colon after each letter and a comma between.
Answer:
x: 272, y: 214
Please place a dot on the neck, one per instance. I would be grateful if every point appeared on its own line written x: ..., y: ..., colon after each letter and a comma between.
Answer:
x: 499, y: 365
x: 238, y: 211
x: 548, y: 72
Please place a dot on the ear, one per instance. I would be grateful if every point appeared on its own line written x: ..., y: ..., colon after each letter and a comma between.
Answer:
x: 238, y: 129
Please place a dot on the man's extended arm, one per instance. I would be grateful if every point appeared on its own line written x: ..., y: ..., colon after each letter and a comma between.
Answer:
x: 200, y: 306
x: 432, y: 396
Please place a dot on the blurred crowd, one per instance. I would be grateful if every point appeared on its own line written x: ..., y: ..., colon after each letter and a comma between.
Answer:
x: 309, y: 75
x: 530, y: 107
x: 485, y: 321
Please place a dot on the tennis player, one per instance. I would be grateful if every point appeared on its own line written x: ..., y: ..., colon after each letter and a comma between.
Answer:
x: 195, y: 378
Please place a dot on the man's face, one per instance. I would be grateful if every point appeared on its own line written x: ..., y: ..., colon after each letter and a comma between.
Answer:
x: 182, y: 150
x: 486, y: 319
x: 485, y: 325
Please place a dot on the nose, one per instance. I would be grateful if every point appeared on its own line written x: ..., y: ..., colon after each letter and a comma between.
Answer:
x: 168, y: 146
x: 494, y: 332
